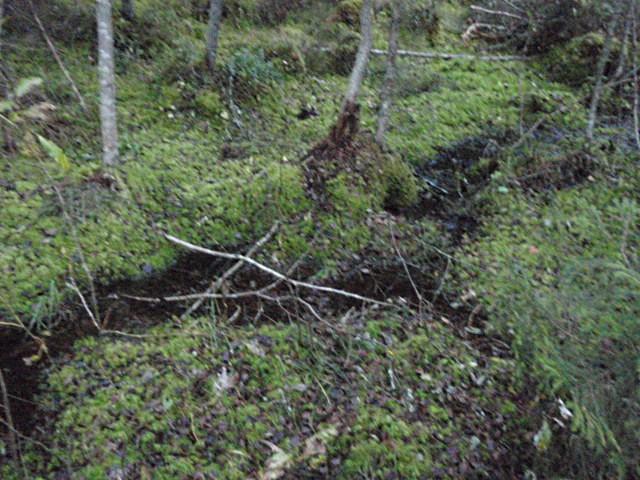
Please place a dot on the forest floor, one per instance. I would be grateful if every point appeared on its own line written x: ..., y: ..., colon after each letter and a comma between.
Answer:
x: 473, y: 257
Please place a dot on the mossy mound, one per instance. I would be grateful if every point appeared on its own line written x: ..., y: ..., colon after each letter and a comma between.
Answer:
x: 373, y: 396
x: 453, y: 100
x: 575, y: 62
x: 559, y: 274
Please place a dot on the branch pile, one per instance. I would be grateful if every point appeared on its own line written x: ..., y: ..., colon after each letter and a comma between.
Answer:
x: 532, y: 26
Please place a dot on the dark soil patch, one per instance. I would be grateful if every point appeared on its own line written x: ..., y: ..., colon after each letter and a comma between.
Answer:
x: 451, y: 179
x: 566, y: 172
x: 23, y: 380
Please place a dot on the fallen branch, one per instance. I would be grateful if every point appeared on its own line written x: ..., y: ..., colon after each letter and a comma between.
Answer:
x: 209, y: 295
x: 454, y: 56
x: 274, y: 273
x: 497, y: 12
x: 217, y: 284
x: 71, y: 284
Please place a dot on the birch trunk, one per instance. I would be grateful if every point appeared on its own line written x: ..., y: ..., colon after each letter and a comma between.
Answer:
x: 7, y: 140
x: 362, y: 57
x: 128, y: 10
x: 213, y: 32
x: 106, y: 71
x: 348, y: 122
x: 636, y: 85
x: 390, y: 75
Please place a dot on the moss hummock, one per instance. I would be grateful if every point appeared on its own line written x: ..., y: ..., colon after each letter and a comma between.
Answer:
x: 372, y: 397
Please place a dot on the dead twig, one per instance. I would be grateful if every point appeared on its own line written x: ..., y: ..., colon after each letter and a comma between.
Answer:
x: 55, y: 54
x: 421, y: 300
x: 497, y: 12
x: 73, y: 286
x: 564, y: 108
x: 274, y: 273
x: 600, y: 76
x: 217, y: 284
x: 95, y: 317
x: 454, y: 56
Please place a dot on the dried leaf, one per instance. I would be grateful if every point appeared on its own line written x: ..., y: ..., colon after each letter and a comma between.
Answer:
x: 26, y: 85
x: 55, y: 152
x: 39, y: 111
x: 317, y: 444
x: 277, y: 464
x: 225, y: 381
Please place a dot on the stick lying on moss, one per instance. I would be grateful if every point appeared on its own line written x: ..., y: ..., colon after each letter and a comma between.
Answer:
x: 454, y: 56
x: 270, y: 271
x: 217, y: 284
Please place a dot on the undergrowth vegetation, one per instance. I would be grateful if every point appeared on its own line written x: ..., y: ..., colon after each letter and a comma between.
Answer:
x: 511, y: 348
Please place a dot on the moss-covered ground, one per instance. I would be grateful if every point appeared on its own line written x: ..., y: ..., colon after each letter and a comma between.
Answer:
x: 370, y: 395
x: 528, y: 317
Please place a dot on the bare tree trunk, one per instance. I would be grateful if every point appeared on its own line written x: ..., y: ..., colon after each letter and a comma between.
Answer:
x: 213, y: 32
x: 364, y: 50
x: 348, y: 121
x: 636, y: 86
x: 624, y: 51
x: 7, y: 140
x: 390, y: 75
x: 106, y: 70
x: 1, y: 20
x: 600, y: 71
x: 128, y: 10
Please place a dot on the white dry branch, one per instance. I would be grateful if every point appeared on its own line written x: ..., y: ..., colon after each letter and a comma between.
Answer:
x: 636, y: 100
x: 453, y: 56
x: 217, y: 284
x: 497, y: 12
x: 274, y: 273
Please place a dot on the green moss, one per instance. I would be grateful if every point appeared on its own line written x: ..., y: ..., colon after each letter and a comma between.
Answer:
x: 462, y: 99
x: 400, y: 184
x: 555, y: 276
x: 348, y: 12
x: 195, y: 400
x: 575, y: 63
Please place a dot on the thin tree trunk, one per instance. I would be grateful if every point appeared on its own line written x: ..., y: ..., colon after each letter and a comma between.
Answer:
x: 636, y: 86
x: 600, y: 71
x: 364, y: 50
x: 624, y: 51
x: 128, y: 10
x: 390, y: 75
x: 106, y: 70
x: 7, y: 140
x: 1, y: 20
x: 348, y: 122
x: 213, y: 32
